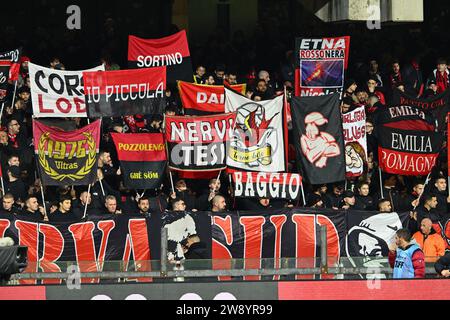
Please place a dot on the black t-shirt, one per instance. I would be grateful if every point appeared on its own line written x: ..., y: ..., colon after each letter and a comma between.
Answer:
x: 59, y: 217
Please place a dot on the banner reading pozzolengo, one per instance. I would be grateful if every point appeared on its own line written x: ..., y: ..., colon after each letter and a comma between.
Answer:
x: 198, y: 144
x: 266, y: 185
x: 57, y: 93
x: 143, y: 159
x: 67, y: 158
x: 125, y: 93
x: 172, y: 52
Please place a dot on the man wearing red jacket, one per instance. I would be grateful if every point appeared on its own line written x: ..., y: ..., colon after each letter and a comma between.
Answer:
x: 407, y: 259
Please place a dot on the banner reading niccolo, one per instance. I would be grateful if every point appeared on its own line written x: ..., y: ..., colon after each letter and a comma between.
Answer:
x: 58, y: 94
x: 354, y: 125
x: 172, y: 52
x: 125, y: 93
x: 321, y: 65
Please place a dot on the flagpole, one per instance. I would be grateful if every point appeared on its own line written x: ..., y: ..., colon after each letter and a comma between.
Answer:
x: 87, y: 202
x: 303, y: 194
x: 424, y: 186
x: 1, y: 113
x: 3, y: 186
x: 381, y: 183
x: 43, y: 199
x: 14, y: 95
x: 171, y: 181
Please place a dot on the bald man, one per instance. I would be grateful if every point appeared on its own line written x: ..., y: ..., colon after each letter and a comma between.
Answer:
x: 219, y: 204
x: 430, y: 241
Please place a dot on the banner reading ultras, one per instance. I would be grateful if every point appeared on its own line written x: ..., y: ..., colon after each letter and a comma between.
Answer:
x: 125, y: 93
x: 266, y: 185
x: 67, y: 158
x: 198, y: 144
x: 57, y: 94
x: 203, y: 100
x: 408, y: 152
x: 172, y: 52
x: 143, y: 159
x: 321, y: 65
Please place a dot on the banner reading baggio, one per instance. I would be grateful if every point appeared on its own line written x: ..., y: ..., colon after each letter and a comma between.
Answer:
x: 143, y: 159
x: 172, y: 52
x: 67, y: 158
x: 321, y: 65
x: 354, y: 125
x: 58, y: 94
x: 266, y: 185
x: 125, y: 93
x: 259, y: 141
x: 198, y: 143
x: 204, y: 100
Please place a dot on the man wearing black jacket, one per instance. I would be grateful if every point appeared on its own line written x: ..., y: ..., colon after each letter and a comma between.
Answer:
x: 196, y: 249
x: 32, y: 211
x: 443, y: 200
x: 442, y: 266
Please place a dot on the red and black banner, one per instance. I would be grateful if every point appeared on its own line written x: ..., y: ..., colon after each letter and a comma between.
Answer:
x: 172, y: 52
x: 266, y: 185
x: 199, y: 143
x: 408, y: 152
x: 318, y: 137
x: 143, y: 159
x: 320, y: 65
x: 67, y: 158
x: 10, y: 61
x: 204, y: 100
x: 406, y: 117
x: 437, y: 106
x: 125, y: 93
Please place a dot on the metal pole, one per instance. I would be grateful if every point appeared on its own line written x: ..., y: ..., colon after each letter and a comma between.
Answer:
x: 303, y: 194
x: 164, y: 250
x: 3, y: 186
x: 381, y: 183
x: 87, y: 203
x: 1, y: 113
x: 323, y: 249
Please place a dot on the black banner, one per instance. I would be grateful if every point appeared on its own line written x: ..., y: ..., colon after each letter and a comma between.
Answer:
x: 318, y: 137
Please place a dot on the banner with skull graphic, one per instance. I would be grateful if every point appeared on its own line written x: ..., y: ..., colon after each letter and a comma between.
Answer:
x: 259, y: 140
x: 318, y: 138
x: 354, y: 125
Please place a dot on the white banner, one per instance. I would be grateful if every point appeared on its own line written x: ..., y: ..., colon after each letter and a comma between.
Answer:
x: 354, y: 124
x: 58, y: 94
x: 258, y: 143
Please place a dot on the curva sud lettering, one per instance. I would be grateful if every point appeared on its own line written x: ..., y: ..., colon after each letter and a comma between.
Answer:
x: 159, y: 60
x: 127, y: 92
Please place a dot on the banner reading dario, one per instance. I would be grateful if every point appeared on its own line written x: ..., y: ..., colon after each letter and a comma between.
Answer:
x: 198, y: 144
x: 266, y: 185
x: 67, y: 158
x: 408, y: 152
x: 143, y: 159
x: 354, y: 125
x: 58, y: 94
x: 321, y: 65
x: 125, y: 93
x: 204, y: 100
x: 259, y: 141
x: 172, y: 52
x: 318, y: 138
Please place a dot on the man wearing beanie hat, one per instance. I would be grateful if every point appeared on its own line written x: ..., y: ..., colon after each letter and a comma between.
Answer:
x: 348, y: 201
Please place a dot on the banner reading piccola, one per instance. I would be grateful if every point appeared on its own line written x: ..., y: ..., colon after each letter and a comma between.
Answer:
x: 321, y: 65
x: 58, y: 93
x: 125, y: 93
x: 172, y: 52
x: 199, y: 143
x: 203, y: 100
x: 143, y: 159
x: 67, y: 158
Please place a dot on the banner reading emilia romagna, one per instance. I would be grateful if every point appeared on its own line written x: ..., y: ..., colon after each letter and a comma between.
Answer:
x: 67, y: 158
x: 321, y: 65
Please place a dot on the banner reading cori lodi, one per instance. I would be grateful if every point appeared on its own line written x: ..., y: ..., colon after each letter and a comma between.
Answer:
x: 67, y: 158
x: 199, y: 143
x: 57, y: 93
x: 125, y: 93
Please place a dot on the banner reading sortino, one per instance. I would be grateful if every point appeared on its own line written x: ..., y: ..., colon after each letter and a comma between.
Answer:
x: 321, y: 65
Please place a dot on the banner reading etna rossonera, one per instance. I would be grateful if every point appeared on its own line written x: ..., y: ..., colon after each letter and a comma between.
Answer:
x: 172, y: 52
x: 58, y: 94
x: 318, y: 138
x: 67, y: 158
x: 198, y: 143
x: 204, y: 100
x: 125, y: 93
x: 143, y: 159
x: 437, y: 105
x: 266, y: 185
x: 354, y: 125
x: 321, y: 65
x: 407, y: 152
x: 259, y: 141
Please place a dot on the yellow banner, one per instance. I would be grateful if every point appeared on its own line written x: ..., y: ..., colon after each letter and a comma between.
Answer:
x: 262, y: 155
